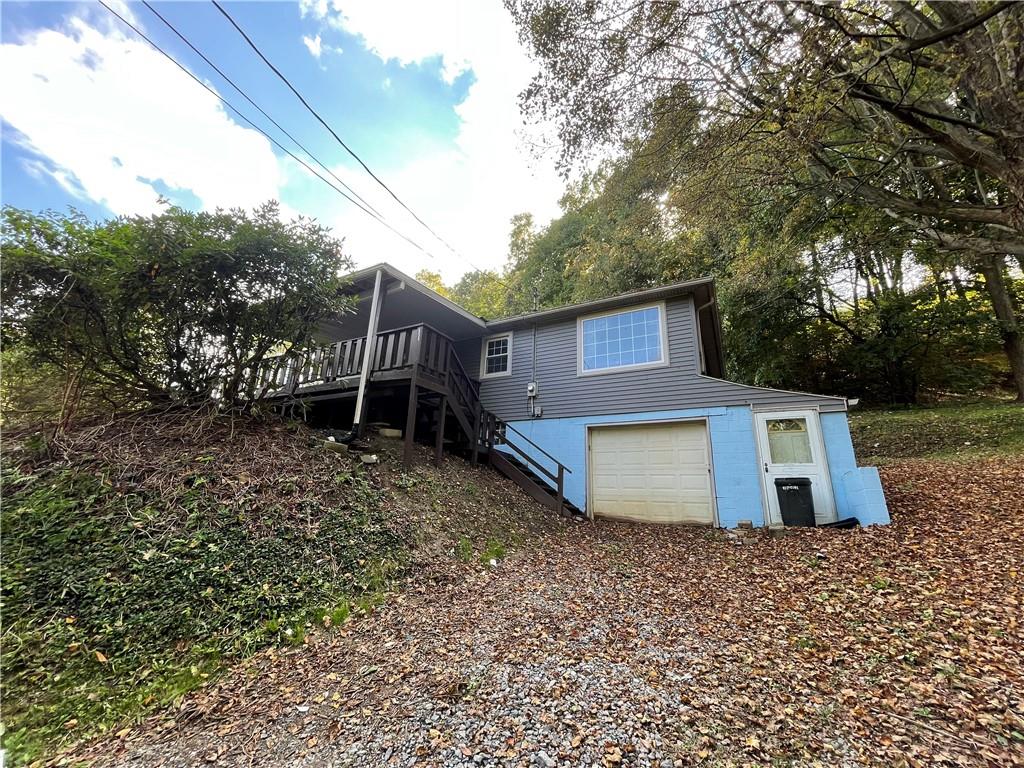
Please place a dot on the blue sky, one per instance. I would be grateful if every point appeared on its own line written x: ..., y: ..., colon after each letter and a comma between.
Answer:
x: 94, y: 118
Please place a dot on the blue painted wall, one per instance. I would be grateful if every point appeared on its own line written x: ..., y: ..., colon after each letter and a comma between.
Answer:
x: 733, y: 449
x: 737, y: 473
x: 857, y: 490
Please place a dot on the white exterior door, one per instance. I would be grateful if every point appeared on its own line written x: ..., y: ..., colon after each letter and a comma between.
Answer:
x: 658, y: 473
x: 790, y: 445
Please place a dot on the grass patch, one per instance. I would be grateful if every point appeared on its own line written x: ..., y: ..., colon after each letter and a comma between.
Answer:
x: 494, y: 550
x: 464, y: 549
x: 118, y: 599
x: 960, y: 431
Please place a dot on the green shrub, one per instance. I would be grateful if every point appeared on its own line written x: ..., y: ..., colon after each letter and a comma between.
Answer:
x: 464, y: 549
x: 177, y: 306
x: 494, y: 550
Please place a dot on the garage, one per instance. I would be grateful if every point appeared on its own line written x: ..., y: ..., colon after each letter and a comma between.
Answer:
x: 654, y: 473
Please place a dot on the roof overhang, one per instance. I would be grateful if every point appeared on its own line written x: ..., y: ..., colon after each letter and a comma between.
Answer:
x: 407, y: 301
x: 701, y: 288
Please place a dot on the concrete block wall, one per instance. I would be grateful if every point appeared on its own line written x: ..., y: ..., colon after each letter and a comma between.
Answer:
x: 737, y: 483
x: 857, y: 490
x: 737, y: 471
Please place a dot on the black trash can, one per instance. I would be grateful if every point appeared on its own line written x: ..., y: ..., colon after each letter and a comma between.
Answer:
x: 795, y: 500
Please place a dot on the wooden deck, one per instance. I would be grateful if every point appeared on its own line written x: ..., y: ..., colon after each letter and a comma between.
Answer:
x: 334, y: 370
x: 424, y: 359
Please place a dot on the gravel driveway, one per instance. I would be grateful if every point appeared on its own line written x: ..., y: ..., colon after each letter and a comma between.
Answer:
x: 615, y: 644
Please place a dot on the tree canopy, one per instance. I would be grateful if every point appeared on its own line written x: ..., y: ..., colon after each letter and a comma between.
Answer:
x: 179, y: 306
x: 852, y: 173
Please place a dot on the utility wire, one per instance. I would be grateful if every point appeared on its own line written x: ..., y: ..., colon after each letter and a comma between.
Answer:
x: 338, y: 138
x: 276, y: 143
x: 245, y: 96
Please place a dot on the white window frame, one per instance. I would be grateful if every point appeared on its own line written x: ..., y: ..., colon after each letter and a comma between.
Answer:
x: 483, y: 356
x: 660, y: 363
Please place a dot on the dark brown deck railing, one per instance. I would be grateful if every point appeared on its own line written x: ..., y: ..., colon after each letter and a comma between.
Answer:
x: 395, y: 351
x: 416, y: 352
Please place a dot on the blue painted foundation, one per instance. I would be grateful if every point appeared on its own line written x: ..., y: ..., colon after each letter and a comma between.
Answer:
x: 858, y: 490
x: 737, y: 475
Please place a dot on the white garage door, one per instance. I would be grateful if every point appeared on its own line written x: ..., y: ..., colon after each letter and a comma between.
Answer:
x: 658, y: 473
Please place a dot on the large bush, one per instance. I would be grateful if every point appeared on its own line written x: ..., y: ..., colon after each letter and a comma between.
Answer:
x: 178, y: 306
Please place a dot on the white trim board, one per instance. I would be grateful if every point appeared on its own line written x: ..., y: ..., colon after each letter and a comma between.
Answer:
x: 663, y: 324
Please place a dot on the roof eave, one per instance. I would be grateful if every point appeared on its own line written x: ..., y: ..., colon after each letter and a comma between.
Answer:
x: 598, y: 305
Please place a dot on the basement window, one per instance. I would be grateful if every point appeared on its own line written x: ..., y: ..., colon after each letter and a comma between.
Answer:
x: 496, y: 359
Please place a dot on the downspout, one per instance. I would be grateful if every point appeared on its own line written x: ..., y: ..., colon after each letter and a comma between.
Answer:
x: 700, y: 342
x: 364, y: 374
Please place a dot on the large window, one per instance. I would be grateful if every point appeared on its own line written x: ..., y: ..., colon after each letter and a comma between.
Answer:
x: 631, y: 339
x: 496, y: 359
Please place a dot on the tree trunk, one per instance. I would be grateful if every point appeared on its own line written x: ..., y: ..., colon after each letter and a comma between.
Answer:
x: 991, y: 268
x: 958, y: 285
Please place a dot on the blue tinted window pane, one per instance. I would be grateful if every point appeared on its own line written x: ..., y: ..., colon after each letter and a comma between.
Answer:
x: 627, y: 338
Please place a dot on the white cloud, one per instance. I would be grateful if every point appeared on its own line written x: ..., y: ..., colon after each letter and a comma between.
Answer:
x: 467, y: 192
x: 113, y: 116
x: 314, y: 44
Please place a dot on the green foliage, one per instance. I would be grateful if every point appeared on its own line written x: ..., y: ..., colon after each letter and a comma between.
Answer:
x: 860, y: 238
x: 880, y: 583
x: 28, y: 389
x: 115, y: 603
x: 494, y: 550
x: 433, y: 281
x: 176, y: 306
x: 464, y: 549
x: 481, y: 292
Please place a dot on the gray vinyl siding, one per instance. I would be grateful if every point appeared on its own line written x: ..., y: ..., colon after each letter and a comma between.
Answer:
x: 563, y: 393
x: 468, y: 352
x: 504, y: 394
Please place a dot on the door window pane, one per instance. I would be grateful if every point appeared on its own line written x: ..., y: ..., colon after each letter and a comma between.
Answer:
x: 789, y: 441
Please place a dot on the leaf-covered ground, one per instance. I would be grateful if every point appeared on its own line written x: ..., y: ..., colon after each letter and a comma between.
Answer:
x: 145, y: 555
x: 615, y: 644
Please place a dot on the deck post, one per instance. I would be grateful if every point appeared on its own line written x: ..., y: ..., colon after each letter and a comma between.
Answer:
x: 476, y: 437
x: 371, y: 338
x: 410, y: 420
x: 439, y: 446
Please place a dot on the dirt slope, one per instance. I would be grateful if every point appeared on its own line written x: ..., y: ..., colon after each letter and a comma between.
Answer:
x: 616, y: 644
x: 145, y: 555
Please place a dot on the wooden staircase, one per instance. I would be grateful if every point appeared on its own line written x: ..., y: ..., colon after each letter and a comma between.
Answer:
x: 437, y: 385
x: 542, y: 480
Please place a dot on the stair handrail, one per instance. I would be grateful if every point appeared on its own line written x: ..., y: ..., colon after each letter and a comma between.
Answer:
x: 466, y: 388
x: 548, y: 455
x: 474, y: 386
x: 493, y: 426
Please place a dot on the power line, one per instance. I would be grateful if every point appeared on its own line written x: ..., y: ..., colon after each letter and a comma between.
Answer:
x: 276, y: 143
x: 323, y: 122
x: 245, y: 96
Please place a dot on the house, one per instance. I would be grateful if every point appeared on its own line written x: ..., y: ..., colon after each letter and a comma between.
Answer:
x: 612, y: 408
